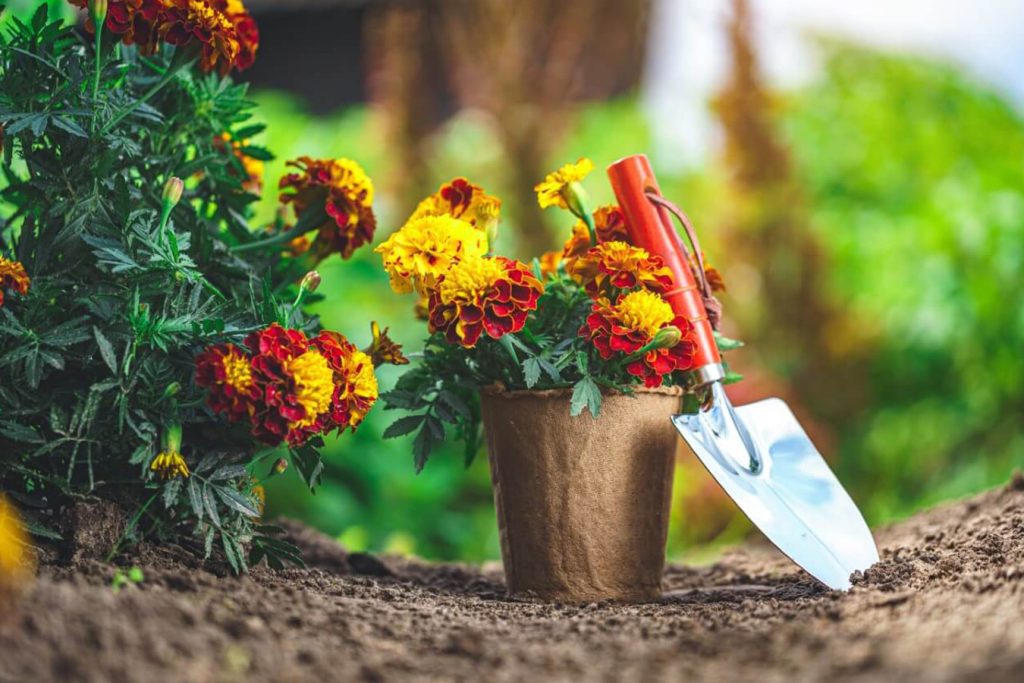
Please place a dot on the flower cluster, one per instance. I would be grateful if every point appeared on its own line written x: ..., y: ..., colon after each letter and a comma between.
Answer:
x: 609, y: 226
x: 635, y: 326
x: 12, y: 277
x: 441, y: 254
x: 222, y: 31
x: 341, y: 190
x: 287, y: 386
x: 490, y: 294
x: 619, y: 266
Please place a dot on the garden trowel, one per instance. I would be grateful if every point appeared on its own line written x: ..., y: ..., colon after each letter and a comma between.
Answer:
x: 759, y: 453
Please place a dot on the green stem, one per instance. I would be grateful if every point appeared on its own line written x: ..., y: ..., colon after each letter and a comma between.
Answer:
x: 96, y: 76
x: 307, y: 221
x: 588, y: 218
x: 172, y: 70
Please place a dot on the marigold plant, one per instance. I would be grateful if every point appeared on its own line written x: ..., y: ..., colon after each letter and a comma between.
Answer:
x: 590, y: 318
x: 155, y: 348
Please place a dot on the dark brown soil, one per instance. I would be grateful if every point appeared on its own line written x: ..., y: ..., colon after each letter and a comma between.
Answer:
x: 946, y: 603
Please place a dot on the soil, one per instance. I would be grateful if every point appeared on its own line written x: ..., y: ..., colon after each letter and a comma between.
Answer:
x: 945, y: 603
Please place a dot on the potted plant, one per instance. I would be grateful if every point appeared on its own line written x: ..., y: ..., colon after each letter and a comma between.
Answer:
x: 518, y: 352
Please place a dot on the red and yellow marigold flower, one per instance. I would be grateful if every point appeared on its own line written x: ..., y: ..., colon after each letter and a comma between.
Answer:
x: 610, y: 226
x: 225, y: 372
x: 355, y: 389
x: 223, y: 32
x: 485, y: 294
x: 617, y: 265
x: 345, y: 193
x: 464, y: 200
x: 13, y: 278
x: 628, y: 328
x: 422, y: 251
x: 252, y: 181
x: 558, y: 187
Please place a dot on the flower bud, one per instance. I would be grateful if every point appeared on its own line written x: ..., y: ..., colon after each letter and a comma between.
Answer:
x: 172, y: 389
x: 98, y: 12
x: 172, y: 191
x: 310, y: 282
x: 280, y: 465
x: 667, y: 337
x: 575, y: 198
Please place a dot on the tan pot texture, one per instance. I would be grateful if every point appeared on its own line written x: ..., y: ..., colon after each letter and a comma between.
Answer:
x: 583, y: 503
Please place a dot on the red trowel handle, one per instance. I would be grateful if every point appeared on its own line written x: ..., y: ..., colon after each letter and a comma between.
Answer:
x: 649, y: 226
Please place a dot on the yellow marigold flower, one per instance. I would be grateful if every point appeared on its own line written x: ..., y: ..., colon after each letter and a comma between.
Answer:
x: 169, y: 464
x: 617, y: 265
x: 314, y: 385
x: 644, y: 311
x: 383, y: 349
x: 464, y: 200
x: 13, y: 277
x: 557, y: 187
x: 423, y: 250
x: 16, y: 564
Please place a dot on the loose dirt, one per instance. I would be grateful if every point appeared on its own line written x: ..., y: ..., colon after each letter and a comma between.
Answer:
x: 945, y: 603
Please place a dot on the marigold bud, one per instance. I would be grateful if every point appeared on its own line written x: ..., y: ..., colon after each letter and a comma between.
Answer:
x: 667, y: 337
x: 172, y: 191
x: 172, y: 389
x: 310, y: 282
x: 280, y: 465
x: 98, y: 11
x: 575, y: 198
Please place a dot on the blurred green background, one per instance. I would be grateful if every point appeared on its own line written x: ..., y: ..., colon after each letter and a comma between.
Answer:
x: 869, y: 223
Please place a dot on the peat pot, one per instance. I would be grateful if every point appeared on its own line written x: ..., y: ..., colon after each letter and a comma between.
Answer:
x: 583, y: 503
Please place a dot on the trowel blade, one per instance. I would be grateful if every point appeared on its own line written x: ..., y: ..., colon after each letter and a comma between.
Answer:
x: 764, y: 460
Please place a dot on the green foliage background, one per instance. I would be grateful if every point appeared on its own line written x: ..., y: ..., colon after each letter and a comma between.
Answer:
x: 913, y: 178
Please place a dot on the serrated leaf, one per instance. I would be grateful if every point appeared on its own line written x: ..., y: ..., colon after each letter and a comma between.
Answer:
x: 585, y: 394
x: 194, y: 499
x: 531, y: 372
x: 106, y: 349
x: 236, y: 501
x: 403, y: 426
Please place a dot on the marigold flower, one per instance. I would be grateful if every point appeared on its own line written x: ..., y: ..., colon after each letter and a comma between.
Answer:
x: 610, y: 225
x: 260, y: 494
x: 252, y: 167
x: 485, y: 294
x: 247, y: 31
x: 346, y: 193
x: 169, y: 464
x: 13, y: 277
x: 307, y: 387
x: 630, y: 326
x: 417, y: 255
x: 383, y: 349
x: 549, y: 262
x: 559, y: 187
x: 225, y: 372
x: 464, y: 200
x: 617, y: 265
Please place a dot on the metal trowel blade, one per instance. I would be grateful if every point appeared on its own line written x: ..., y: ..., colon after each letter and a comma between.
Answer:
x: 764, y: 460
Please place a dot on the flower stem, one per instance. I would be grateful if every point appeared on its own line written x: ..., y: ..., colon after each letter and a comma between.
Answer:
x: 96, y: 76
x: 588, y: 218
x: 307, y: 221
x: 172, y: 70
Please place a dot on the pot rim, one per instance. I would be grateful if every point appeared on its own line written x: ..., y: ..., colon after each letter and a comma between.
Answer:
x: 499, y: 391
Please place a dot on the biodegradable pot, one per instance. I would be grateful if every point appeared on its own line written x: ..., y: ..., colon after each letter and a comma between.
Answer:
x: 583, y: 503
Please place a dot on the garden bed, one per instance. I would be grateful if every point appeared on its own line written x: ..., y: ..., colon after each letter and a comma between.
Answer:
x: 944, y: 604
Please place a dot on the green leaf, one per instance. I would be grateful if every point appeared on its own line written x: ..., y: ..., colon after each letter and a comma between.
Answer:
x: 308, y: 464
x: 106, y: 350
x: 531, y: 372
x: 19, y: 432
x: 585, y: 394
x: 403, y: 426
x: 236, y: 501
x: 727, y: 344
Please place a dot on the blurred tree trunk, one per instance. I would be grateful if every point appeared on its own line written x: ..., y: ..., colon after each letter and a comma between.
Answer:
x: 523, y: 62
x: 781, y: 297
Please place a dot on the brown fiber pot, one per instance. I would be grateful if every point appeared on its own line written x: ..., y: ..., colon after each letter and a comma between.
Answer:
x: 583, y: 503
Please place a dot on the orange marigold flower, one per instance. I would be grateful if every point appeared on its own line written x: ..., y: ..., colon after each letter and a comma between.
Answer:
x: 252, y: 167
x: 617, y: 265
x: 630, y: 325
x: 136, y: 21
x: 464, y: 200
x: 346, y: 194
x: 549, y: 262
x: 13, y: 277
x: 610, y: 225
x: 247, y: 31
x: 485, y: 294
x: 225, y: 372
x: 383, y: 349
